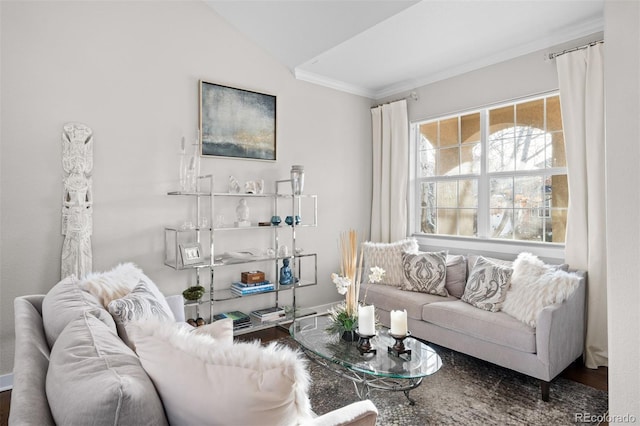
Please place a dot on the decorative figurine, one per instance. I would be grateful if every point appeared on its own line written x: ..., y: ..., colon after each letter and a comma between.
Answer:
x: 242, y: 213
x: 77, y: 200
x: 286, y: 277
x: 234, y: 186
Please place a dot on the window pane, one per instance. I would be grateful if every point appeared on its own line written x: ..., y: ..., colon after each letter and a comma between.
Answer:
x: 556, y: 226
x: 428, y: 206
x: 554, y: 115
x: 430, y: 132
x: 468, y: 193
x: 500, y: 155
x: 556, y: 156
x: 531, y: 114
x: 467, y: 222
x: 447, y: 221
x: 528, y: 191
x: 501, y: 118
x: 427, y: 163
x: 559, y: 191
x: 530, y: 149
x: 448, y: 162
x: 501, y: 193
x: 449, y: 132
x: 447, y: 194
x: 470, y: 128
x: 529, y: 227
x: 470, y: 157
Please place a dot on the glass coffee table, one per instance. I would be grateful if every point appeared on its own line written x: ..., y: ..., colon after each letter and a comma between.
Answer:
x: 380, y: 370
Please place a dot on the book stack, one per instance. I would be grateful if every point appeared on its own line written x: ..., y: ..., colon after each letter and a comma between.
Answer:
x: 240, y: 319
x: 268, y: 314
x: 243, y: 289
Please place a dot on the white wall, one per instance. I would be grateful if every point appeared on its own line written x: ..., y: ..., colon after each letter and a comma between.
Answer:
x: 130, y: 71
x: 622, y: 82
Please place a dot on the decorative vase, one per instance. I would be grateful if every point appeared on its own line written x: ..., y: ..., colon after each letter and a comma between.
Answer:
x: 349, y: 336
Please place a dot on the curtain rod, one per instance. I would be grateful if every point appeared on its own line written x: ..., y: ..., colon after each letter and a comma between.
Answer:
x: 412, y: 95
x: 556, y: 54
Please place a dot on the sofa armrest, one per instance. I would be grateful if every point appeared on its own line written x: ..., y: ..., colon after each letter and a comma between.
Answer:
x: 361, y: 413
x: 560, y: 331
x: 29, y: 404
x: 176, y: 303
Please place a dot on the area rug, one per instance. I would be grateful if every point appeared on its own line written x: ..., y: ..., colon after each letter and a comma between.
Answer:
x: 467, y: 391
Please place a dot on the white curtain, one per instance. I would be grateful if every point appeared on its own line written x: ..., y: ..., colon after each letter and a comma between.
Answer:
x: 581, y: 80
x: 390, y: 130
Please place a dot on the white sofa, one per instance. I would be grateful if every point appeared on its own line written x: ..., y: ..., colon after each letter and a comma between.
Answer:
x: 72, y: 368
x: 542, y: 352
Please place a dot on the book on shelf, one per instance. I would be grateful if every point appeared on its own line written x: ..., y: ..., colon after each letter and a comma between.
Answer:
x: 239, y: 318
x: 243, y: 291
x: 268, y: 314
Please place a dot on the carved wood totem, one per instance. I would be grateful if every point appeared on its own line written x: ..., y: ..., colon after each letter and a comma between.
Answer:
x: 77, y: 200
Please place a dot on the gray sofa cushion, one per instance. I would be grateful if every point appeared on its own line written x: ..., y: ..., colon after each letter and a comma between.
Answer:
x: 391, y: 298
x: 494, y: 327
x: 65, y: 302
x: 456, y: 275
x: 94, y: 378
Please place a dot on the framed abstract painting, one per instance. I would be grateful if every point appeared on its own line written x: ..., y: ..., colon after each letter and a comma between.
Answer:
x: 237, y: 123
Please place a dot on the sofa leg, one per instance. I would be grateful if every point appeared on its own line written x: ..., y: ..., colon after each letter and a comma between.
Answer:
x: 544, y: 388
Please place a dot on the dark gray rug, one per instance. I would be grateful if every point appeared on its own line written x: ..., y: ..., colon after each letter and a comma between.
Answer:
x: 467, y: 391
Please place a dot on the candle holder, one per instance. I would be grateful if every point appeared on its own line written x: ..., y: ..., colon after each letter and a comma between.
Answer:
x: 398, y: 347
x: 364, y: 344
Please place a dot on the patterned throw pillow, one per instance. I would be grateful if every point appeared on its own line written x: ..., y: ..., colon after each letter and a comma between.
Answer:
x: 425, y: 272
x: 487, y: 285
x: 388, y: 256
x: 141, y: 304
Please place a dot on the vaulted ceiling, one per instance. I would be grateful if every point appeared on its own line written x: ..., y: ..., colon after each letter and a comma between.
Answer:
x: 376, y: 48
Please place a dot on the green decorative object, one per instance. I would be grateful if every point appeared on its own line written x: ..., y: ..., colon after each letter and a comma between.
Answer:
x: 193, y: 293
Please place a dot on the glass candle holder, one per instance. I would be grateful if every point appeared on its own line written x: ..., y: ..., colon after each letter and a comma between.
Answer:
x: 297, y: 179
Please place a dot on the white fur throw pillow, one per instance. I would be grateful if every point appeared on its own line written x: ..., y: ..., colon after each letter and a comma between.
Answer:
x: 388, y: 256
x: 113, y: 284
x: 535, y: 285
x: 202, y: 382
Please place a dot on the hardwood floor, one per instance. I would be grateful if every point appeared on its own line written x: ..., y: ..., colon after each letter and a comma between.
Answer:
x: 597, y: 379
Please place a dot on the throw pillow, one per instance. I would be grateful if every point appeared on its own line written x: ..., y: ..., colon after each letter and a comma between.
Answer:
x: 425, y: 272
x: 535, y: 285
x: 221, y: 330
x: 456, y: 275
x: 487, y: 285
x: 141, y: 304
x: 246, y: 385
x: 93, y: 378
x: 388, y: 256
x: 64, y: 303
x: 113, y: 284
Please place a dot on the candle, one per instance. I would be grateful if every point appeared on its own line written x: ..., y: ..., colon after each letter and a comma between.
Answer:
x: 399, y: 323
x: 366, y: 321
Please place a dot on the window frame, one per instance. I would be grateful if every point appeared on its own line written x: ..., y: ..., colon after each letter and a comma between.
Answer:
x: 483, y: 242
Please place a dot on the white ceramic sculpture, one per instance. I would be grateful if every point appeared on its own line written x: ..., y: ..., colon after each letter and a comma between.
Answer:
x: 77, y: 200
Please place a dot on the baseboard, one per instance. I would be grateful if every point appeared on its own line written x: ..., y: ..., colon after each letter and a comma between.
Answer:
x: 6, y: 382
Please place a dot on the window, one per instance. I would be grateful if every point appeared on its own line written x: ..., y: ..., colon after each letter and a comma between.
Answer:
x: 495, y: 173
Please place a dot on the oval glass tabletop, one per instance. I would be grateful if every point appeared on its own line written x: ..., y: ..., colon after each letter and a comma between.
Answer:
x: 310, y: 333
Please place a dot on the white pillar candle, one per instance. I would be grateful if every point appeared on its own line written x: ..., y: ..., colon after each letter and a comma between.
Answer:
x: 399, y: 323
x: 366, y: 320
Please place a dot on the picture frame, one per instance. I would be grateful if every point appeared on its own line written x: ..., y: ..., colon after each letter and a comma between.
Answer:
x: 236, y: 123
x: 191, y: 254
